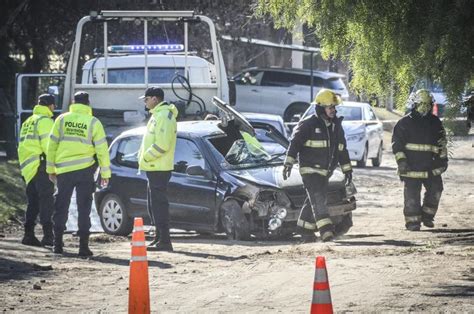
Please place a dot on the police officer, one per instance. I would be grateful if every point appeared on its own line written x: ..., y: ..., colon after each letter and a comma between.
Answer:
x: 419, y: 144
x: 32, y: 148
x: 77, y: 140
x: 319, y: 144
x: 156, y: 157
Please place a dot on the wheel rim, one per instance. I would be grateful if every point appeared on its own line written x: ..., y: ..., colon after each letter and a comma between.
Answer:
x: 112, y: 215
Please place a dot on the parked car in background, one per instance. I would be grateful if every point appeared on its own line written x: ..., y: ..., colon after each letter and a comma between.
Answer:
x: 364, y: 132
x: 271, y: 146
x: 219, y: 184
x: 282, y: 91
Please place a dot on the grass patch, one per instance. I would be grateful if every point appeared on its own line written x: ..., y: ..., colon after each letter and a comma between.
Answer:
x: 12, y: 191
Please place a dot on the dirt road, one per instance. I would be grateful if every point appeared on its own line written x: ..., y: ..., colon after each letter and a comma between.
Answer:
x: 376, y: 267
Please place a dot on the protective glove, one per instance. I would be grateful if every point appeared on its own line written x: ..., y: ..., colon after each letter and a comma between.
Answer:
x: 403, y: 167
x: 348, y: 178
x: 287, y: 171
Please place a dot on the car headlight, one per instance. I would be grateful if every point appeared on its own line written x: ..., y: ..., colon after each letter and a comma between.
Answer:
x: 355, y: 137
x: 350, y: 190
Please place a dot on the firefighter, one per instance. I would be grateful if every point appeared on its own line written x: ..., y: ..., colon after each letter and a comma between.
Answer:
x: 32, y: 149
x: 419, y: 145
x: 320, y: 145
x: 77, y: 142
x: 156, y: 158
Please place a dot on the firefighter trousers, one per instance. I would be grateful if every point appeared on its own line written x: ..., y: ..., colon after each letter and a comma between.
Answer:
x: 413, y: 210
x: 314, y: 213
x: 83, y: 181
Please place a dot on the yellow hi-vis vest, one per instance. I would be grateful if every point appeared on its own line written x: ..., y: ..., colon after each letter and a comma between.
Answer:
x: 159, y: 143
x: 34, y: 137
x: 74, y: 140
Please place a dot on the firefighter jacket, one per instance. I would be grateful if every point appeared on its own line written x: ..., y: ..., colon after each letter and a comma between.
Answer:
x: 159, y: 143
x: 76, y: 141
x: 33, y: 144
x: 421, y: 142
x: 320, y: 146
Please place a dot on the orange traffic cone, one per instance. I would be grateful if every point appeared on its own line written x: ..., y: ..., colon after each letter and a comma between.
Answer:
x: 138, y: 292
x: 321, y: 294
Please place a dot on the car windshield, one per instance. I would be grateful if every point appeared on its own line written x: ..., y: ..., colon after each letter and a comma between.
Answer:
x: 349, y: 113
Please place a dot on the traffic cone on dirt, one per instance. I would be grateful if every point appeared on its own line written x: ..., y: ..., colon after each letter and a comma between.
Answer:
x: 321, y: 295
x: 138, y: 291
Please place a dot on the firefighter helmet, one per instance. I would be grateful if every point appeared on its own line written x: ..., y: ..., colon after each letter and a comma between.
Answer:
x: 327, y: 98
x: 423, y: 101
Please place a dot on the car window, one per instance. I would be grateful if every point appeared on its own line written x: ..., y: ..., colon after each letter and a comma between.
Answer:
x: 371, y: 113
x: 127, y: 152
x: 187, y: 154
x: 334, y: 84
x: 275, y: 78
x: 137, y: 75
x: 249, y: 78
x: 349, y: 113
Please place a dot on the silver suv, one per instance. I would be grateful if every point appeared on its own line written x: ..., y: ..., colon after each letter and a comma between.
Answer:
x: 282, y: 91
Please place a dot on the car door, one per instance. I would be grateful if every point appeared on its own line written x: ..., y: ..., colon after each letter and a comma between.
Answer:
x: 248, y: 90
x: 374, y: 131
x: 191, y: 197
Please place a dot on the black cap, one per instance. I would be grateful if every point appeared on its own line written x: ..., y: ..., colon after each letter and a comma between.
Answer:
x: 81, y: 98
x: 46, y: 99
x: 153, y: 92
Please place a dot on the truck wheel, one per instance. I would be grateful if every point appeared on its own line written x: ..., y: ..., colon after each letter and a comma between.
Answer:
x: 363, y: 162
x: 293, y: 110
x: 234, y: 222
x: 345, y: 224
x: 113, y: 216
x: 378, y: 160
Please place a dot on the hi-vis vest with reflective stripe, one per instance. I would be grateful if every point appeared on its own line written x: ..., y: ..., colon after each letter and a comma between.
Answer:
x: 159, y: 142
x: 33, y: 144
x: 75, y: 138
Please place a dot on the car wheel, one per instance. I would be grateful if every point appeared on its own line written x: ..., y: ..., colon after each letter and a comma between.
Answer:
x: 113, y: 216
x: 363, y: 162
x: 378, y: 160
x: 294, y: 110
x: 344, y: 225
x: 233, y: 220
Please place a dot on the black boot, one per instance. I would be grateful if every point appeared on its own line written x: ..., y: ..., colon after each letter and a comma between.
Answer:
x: 84, y: 250
x: 29, y: 238
x: 58, y: 243
x: 47, y: 236
x: 413, y: 226
x: 307, y: 236
x: 155, y: 240
x: 164, y: 244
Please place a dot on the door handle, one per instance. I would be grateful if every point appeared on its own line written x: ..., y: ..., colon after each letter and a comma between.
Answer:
x: 255, y: 90
x: 291, y: 93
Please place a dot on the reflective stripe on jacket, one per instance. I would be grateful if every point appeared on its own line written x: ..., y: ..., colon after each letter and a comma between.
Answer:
x: 421, y: 142
x: 319, y: 147
x: 159, y: 142
x: 75, y: 139
x: 33, y: 143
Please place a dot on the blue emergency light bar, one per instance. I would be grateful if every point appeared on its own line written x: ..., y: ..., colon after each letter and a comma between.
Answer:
x: 141, y: 48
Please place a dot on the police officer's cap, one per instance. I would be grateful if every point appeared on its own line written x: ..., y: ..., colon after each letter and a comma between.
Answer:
x: 81, y: 98
x: 46, y: 99
x: 153, y: 92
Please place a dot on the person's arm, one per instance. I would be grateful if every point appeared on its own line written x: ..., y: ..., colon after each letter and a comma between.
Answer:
x: 102, y: 150
x: 44, y: 129
x: 296, y: 143
x: 342, y: 153
x: 163, y: 138
x: 441, y: 159
x: 398, y: 147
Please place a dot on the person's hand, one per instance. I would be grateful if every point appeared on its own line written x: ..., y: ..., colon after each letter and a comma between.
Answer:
x: 287, y: 171
x: 104, y: 183
x: 53, y: 178
x: 403, y: 167
x: 348, y: 178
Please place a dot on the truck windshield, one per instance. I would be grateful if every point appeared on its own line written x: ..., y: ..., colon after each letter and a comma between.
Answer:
x: 137, y: 75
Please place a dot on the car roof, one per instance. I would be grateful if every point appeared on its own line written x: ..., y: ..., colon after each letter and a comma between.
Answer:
x: 322, y: 74
x: 199, y: 128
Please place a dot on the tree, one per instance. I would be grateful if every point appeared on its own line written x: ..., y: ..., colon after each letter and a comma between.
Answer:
x: 389, y: 43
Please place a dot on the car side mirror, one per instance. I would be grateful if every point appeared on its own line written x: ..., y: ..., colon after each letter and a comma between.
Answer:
x: 197, y: 171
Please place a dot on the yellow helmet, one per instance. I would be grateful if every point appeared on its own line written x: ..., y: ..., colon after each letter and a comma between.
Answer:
x: 423, y: 96
x: 327, y: 98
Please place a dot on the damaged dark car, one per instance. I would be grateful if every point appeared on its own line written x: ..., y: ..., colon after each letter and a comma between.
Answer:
x: 223, y: 181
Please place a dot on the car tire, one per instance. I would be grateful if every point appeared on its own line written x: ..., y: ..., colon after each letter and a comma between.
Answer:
x: 363, y: 162
x: 233, y: 221
x: 377, y: 161
x: 113, y: 216
x: 344, y: 225
x: 294, y: 109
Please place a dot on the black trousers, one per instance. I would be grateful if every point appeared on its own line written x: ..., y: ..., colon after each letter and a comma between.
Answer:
x: 83, y: 181
x: 158, y: 205
x: 315, y: 205
x: 413, y: 210
x: 39, y: 192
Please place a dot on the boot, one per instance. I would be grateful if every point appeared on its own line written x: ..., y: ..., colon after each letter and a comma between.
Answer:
x: 29, y: 238
x: 307, y: 236
x: 84, y: 250
x: 413, y: 226
x: 164, y: 244
x: 428, y: 222
x: 58, y: 243
x: 155, y: 240
x: 47, y: 236
x: 327, y: 236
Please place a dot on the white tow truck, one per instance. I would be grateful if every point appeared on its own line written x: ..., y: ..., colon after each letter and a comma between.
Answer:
x: 115, y: 73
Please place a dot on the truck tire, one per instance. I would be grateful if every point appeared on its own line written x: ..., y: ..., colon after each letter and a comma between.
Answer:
x: 233, y: 221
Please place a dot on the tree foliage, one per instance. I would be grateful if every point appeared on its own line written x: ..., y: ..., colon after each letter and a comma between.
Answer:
x: 389, y: 43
